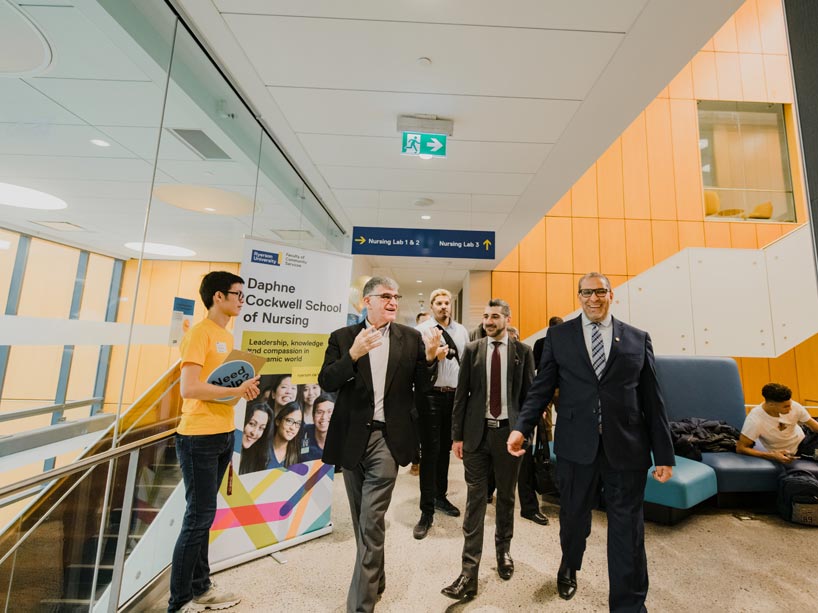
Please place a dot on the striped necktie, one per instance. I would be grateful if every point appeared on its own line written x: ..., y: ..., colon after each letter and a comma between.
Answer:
x: 597, y: 350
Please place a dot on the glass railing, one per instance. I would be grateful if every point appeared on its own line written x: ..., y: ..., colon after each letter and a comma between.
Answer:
x: 67, y: 549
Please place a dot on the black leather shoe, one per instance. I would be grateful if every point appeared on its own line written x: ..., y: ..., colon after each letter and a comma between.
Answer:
x: 505, y: 566
x: 463, y: 588
x: 566, y: 582
x: 446, y: 507
x: 536, y: 517
x: 423, y: 525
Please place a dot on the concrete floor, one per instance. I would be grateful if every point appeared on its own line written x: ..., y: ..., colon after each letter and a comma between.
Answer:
x: 711, y: 561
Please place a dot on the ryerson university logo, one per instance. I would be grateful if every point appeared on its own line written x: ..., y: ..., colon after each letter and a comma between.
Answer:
x: 265, y: 257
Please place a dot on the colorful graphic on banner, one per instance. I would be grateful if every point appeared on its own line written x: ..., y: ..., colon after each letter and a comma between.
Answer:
x: 293, y: 299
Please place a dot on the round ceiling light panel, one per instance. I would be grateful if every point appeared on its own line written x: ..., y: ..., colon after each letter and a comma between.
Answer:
x: 24, y: 50
x: 207, y: 200
x: 27, y: 198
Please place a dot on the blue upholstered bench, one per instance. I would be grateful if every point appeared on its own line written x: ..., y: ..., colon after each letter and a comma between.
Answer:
x: 695, y: 386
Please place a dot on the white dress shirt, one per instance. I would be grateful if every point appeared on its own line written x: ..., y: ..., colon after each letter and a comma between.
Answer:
x: 378, y: 361
x: 447, y: 370
x: 503, y: 376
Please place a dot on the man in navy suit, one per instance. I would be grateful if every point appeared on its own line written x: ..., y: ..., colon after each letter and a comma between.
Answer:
x: 611, y: 417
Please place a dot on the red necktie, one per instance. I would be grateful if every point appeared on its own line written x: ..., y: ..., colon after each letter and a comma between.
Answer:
x: 495, y: 394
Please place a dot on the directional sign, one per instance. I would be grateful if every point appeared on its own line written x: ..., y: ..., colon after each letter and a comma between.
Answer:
x: 422, y: 243
x: 418, y: 143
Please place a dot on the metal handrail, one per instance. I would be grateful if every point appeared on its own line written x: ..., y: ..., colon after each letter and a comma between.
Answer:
x: 83, y: 464
x: 52, y: 408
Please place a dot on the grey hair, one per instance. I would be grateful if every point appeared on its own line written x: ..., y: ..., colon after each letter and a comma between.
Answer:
x: 504, y: 308
x: 593, y: 275
x: 376, y: 281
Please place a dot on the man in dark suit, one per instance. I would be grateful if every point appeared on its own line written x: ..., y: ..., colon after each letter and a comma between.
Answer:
x: 611, y: 416
x: 374, y: 367
x: 495, y: 373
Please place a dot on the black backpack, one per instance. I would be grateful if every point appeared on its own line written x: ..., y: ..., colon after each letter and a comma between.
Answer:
x: 798, y: 497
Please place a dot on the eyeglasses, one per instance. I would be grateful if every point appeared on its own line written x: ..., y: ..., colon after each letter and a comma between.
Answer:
x: 291, y: 422
x: 387, y: 297
x: 599, y: 291
x: 239, y: 295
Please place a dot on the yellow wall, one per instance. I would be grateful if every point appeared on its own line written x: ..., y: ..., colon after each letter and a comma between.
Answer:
x: 642, y: 200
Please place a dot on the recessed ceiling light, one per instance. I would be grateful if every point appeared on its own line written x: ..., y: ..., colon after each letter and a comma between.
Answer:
x: 426, y: 156
x: 199, y: 198
x: 5, y: 244
x: 426, y: 217
x: 25, y: 198
x: 62, y: 226
x: 100, y: 143
x: 420, y: 293
x: 424, y: 61
x: 419, y: 281
x: 160, y: 249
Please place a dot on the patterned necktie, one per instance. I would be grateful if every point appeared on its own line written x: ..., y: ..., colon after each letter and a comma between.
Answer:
x: 495, y: 397
x: 597, y: 350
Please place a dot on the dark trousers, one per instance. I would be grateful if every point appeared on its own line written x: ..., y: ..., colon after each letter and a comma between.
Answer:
x: 369, y: 491
x: 491, y: 456
x: 435, y: 444
x: 203, y: 460
x: 624, y: 493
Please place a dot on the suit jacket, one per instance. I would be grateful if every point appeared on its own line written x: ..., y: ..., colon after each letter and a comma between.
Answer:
x: 349, y: 429
x: 470, y: 399
x: 634, y: 420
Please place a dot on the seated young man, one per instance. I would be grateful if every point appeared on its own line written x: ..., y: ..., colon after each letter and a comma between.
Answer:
x: 775, y: 425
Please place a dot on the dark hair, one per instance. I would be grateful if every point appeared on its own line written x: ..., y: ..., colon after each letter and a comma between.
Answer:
x: 269, y: 390
x: 504, y: 308
x: 419, y: 315
x: 776, y: 392
x: 593, y: 275
x: 324, y: 397
x: 555, y: 321
x: 291, y: 457
x: 217, y: 281
x: 257, y: 456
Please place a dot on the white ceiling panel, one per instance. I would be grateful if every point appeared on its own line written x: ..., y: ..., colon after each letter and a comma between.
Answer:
x: 20, y: 166
x: 381, y: 56
x: 211, y: 173
x: 59, y: 140
x: 368, y: 113
x: 143, y: 142
x: 106, y: 103
x: 348, y: 177
x: 81, y: 50
x: 379, y: 152
x: 400, y: 218
x: 440, y: 202
x: 555, y: 14
x: 21, y: 103
x: 82, y: 188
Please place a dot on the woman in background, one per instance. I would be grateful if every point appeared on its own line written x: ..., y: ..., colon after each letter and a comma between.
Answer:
x: 307, y: 393
x: 278, y: 390
x: 285, y: 439
x: 255, y: 438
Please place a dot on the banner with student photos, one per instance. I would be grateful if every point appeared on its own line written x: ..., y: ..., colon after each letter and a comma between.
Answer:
x: 281, y: 491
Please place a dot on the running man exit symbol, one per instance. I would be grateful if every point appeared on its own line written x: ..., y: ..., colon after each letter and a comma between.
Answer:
x: 418, y: 143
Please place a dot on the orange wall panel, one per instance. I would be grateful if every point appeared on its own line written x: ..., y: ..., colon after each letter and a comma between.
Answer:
x: 767, y: 233
x: 753, y: 80
x: 783, y: 369
x: 747, y: 30
x: 635, y: 170
x: 743, y: 236
x: 506, y: 285
x: 533, y: 312
x: 609, y: 182
x: 563, y: 206
x: 681, y: 87
x: 583, y: 195
x: 717, y: 235
x: 687, y: 173
x: 639, y: 245
x: 773, y: 28
x: 612, y: 251
x: 779, y: 84
x: 532, y: 249
x: 586, y: 245
x: 559, y: 244
x: 561, y: 293
x: 660, y: 160
x: 58, y: 264
x: 665, y: 239
x: 729, y: 76
x: 691, y: 234
x: 806, y: 355
x: 725, y: 39
x: 705, y: 81
x: 511, y: 261
x: 755, y: 374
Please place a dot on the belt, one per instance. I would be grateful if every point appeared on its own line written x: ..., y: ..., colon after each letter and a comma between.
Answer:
x: 377, y: 425
x: 496, y: 423
x: 443, y: 389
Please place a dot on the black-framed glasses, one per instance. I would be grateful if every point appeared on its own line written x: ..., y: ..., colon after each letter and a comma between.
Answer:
x: 239, y: 295
x: 387, y: 297
x: 599, y: 291
x: 291, y: 422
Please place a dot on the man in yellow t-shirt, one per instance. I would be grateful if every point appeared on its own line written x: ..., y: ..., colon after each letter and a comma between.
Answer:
x: 204, y: 442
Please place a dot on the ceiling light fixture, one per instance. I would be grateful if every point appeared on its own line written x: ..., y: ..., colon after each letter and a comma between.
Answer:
x: 419, y: 281
x: 424, y: 61
x: 210, y: 209
x: 426, y: 156
x: 424, y: 202
x: 426, y: 217
x: 26, y: 198
x: 204, y: 199
x: 160, y: 249
x: 100, y: 143
x: 4, y: 245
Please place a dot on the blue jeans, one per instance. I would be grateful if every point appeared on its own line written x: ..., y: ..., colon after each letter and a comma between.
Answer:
x: 203, y: 460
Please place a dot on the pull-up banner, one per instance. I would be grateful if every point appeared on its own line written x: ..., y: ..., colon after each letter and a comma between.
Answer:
x: 281, y: 492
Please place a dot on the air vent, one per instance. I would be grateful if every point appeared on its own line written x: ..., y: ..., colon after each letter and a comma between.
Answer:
x: 200, y: 143
x: 62, y: 226
x: 293, y: 235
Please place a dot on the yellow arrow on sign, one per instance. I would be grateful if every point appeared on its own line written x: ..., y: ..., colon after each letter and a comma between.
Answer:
x: 360, y: 240
x: 487, y: 243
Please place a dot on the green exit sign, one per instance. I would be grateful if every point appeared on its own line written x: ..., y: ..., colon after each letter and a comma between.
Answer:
x: 418, y: 143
